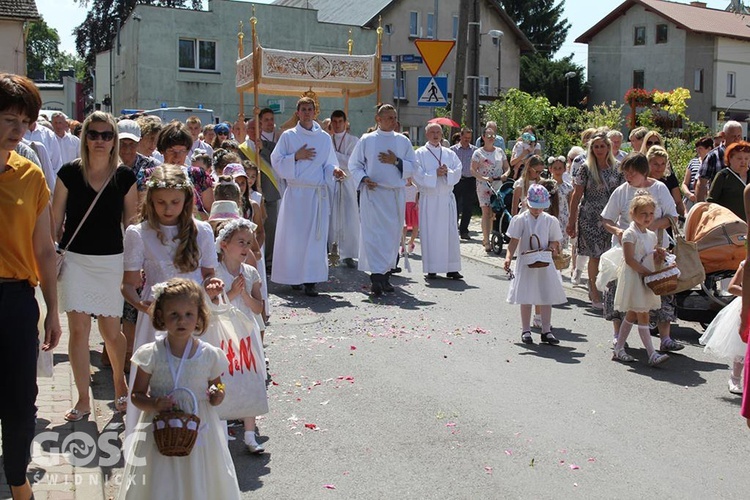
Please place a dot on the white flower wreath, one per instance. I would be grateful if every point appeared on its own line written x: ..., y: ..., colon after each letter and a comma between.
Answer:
x: 231, y: 227
x: 154, y: 184
x: 158, y: 288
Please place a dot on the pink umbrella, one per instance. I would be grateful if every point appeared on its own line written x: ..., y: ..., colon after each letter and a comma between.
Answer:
x: 444, y: 120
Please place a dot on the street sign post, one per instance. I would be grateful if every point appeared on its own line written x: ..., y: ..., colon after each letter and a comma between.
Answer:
x: 432, y: 91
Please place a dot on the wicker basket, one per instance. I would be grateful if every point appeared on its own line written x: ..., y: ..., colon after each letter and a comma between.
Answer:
x: 562, y: 260
x: 535, y: 264
x: 175, y: 431
x: 664, y: 285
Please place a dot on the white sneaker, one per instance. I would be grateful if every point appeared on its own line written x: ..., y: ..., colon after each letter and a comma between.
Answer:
x: 575, y: 279
x: 735, y: 385
x: 537, y: 321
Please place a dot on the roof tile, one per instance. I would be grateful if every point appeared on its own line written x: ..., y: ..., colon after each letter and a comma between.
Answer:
x: 19, y: 9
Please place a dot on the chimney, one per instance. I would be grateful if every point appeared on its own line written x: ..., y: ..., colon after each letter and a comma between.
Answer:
x: 700, y: 5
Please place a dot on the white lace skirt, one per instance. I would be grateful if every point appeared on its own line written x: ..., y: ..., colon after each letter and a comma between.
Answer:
x: 91, y: 284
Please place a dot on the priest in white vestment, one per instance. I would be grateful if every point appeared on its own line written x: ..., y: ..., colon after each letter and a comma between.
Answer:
x: 344, y: 228
x: 380, y: 164
x: 305, y: 158
x: 437, y: 170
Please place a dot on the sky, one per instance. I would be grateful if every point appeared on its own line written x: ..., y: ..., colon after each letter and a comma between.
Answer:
x: 65, y: 15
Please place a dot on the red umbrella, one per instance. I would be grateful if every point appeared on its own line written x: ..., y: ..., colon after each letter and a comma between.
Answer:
x: 444, y: 120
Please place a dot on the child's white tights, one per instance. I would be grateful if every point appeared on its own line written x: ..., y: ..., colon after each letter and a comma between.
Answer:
x: 544, y: 311
x: 643, y: 331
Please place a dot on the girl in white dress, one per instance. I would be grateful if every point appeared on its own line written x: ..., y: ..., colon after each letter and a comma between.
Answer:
x: 640, y: 250
x: 722, y: 336
x: 538, y: 285
x: 168, y: 243
x: 179, y: 361
x: 243, y: 290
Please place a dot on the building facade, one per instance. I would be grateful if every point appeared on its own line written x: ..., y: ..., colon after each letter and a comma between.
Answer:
x: 655, y: 44
x: 14, y: 14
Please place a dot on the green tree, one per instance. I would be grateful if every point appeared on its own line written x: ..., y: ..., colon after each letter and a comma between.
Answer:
x: 541, y: 21
x: 42, y: 50
x: 543, y: 76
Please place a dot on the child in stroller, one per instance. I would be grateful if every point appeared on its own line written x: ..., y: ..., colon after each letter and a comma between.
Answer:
x: 500, y: 202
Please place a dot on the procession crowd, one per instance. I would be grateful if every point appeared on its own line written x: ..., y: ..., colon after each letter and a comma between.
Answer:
x: 147, y: 226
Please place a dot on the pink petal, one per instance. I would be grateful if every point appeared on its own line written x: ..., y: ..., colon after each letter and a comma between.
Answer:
x: 574, y: 467
x: 353, y: 347
x: 488, y: 469
x: 508, y: 452
x: 329, y: 486
x: 450, y: 424
x: 311, y: 426
x: 592, y: 459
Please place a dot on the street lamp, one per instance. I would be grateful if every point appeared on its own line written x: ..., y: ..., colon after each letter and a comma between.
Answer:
x: 568, y: 76
x: 498, y: 35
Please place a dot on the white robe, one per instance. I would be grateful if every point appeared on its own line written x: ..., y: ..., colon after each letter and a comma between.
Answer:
x: 344, y: 228
x: 381, y: 210
x: 300, y: 253
x: 49, y: 139
x: 438, y: 227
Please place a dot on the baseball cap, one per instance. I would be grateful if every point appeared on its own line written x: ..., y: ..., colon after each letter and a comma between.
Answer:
x: 129, y: 129
x: 235, y: 170
x: 538, y: 196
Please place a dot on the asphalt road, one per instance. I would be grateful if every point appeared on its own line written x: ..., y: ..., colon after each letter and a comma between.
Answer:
x: 429, y: 393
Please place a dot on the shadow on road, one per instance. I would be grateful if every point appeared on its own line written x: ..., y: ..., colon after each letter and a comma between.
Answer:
x: 250, y: 468
x: 679, y: 370
x: 560, y: 353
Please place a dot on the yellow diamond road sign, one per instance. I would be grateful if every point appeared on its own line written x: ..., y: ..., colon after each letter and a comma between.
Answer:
x: 434, y: 52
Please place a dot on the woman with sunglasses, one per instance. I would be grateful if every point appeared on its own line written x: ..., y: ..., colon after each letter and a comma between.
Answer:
x: 91, y: 274
x: 729, y: 183
x: 666, y: 175
x: 221, y: 134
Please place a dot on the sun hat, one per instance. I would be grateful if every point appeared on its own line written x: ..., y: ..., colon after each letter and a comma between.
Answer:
x: 129, y: 129
x: 538, y: 196
x: 235, y: 170
x: 224, y: 210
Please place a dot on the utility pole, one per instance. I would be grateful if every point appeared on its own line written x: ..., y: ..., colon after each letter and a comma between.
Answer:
x: 457, y: 105
x: 473, y: 63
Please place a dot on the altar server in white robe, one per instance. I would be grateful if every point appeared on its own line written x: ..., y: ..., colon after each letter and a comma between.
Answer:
x: 344, y: 228
x: 305, y: 158
x: 380, y: 164
x: 437, y: 170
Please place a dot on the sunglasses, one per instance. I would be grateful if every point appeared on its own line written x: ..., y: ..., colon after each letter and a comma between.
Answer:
x: 222, y: 133
x: 653, y: 143
x: 95, y: 136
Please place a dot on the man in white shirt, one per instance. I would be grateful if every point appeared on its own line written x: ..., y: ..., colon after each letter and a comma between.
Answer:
x: 70, y: 145
x: 193, y: 124
x: 344, y: 228
x: 437, y: 170
x: 305, y: 158
x: 380, y: 164
x: 40, y: 133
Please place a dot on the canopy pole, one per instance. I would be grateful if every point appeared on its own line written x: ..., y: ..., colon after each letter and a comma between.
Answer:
x: 256, y: 109
x: 379, y: 53
x: 350, y: 44
x: 240, y: 55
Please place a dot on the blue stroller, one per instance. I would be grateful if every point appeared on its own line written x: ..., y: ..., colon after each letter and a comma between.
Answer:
x: 500, y: 202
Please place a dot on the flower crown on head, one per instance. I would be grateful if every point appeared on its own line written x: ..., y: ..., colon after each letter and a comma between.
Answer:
x: 154, y: 184
x: 231, y: 227
x: 157, y: 289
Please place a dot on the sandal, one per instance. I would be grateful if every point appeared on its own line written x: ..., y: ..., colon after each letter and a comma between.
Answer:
x: 526, y: 338
x: 549, y: 338
x: 74, y: 415
x: 121, y: 404
x: 623, y: 356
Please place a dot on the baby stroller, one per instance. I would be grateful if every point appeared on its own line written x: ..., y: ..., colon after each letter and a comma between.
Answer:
x: 500, y: 202
x: 720, y: 237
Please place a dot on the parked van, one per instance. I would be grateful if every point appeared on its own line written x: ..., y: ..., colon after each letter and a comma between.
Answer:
x: 182, y: 113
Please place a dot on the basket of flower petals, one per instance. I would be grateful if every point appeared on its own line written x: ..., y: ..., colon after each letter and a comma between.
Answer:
x: 175, y: 431
x: 663, y: 281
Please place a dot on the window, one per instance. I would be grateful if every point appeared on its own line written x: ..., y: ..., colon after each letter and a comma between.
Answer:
x: 430, y: 25
x: 484, y: 85
x: 413, y: 24
x: 661, y: 33
x: 639, y: 35
x: 197, y: 54
x: 399, y: 87
x: 639, y: 79
x: 731, y: 83
x: 698, y: 80
x: 455, y: 27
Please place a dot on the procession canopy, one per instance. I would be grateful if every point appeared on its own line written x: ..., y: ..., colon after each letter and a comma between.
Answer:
x: 285, y: 72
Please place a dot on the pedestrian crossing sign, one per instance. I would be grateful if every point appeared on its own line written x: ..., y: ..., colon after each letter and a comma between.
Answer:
x: 432, y: 90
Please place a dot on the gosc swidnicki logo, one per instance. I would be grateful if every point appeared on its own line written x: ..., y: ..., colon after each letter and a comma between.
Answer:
x: 81, y: 449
